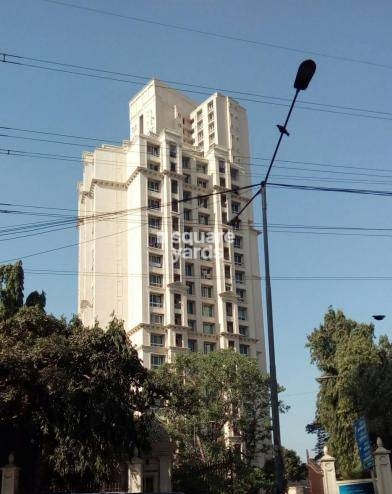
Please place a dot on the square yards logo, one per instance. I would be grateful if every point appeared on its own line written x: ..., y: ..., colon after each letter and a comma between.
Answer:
x: 198, y: 245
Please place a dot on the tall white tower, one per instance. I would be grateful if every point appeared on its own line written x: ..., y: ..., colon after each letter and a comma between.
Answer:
x: 136, y: 211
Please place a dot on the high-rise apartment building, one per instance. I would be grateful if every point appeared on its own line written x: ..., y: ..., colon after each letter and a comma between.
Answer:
x: 156, y: 248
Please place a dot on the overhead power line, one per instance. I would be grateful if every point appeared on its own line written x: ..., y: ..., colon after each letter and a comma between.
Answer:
x: 219, y: 35
x: 98, y: 73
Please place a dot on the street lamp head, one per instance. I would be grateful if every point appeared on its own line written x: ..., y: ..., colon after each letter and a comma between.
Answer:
x: 378, y: 317
x: 304, y: 74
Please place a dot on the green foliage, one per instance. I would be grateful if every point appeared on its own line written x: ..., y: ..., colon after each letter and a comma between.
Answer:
x: 210, y: 397
x: 295, y: 469
x: 11, y: 288
x: 36, y: 298
x: 68, y: 397
x: 321, y: 438
x: 357, y: 382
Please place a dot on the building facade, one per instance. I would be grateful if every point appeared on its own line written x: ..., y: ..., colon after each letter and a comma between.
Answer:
x: 156, y: 248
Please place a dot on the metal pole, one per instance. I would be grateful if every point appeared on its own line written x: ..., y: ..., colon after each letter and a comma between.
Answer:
x: 279, y: 471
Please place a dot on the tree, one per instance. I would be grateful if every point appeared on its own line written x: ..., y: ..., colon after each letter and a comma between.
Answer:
x: 11, y: 288
x: 214, y: 402
x: 72, y: 402
x: 321, y: 438
x: 36, y: 298
x: 356, y: 382
x: 295, y: 469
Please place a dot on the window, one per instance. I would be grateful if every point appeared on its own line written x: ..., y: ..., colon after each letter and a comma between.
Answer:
x: 174, y: 187
x: 222, y: 166
x: 153, y: 166
x: 175, y: 224
x: 173, y: 166
x: 231, y: 344
x: 244, y: 350
x: 210, y: 106
x: 206, y: 272
x: 177, y: 319
x: 228, y: 287
x: 241, y: 294
x: 230, y: 327
x: 187, y: 179
x: 235, y: 207
x: 189, y: 270
x: 190, y: 307
x: 234, y: 174
x: 177, y: 301
x: 211, y: 127
x: 209, y: 347
x: 208, y: 328
x: 156, y: 318
x: 173, y: 151
x: 206, y: 291
x: 151, y: 149
x: 239, y: 277
x: 157, y: 361
x: 188, y: 214
x: 155, y: 261
x: 207, y: 310
x: 229, y: 309
x: 223, y: 201
x: 154, y: 203
x: 238, y: 242
x: 201, y: 168
x: 227, y: 272
x: 203, y: 202
x: 238, y: 259
x: 226, y: 254
x: 154, y: 241
x: 175, y: 205
x: 222, y: 182
x: 202, y: 183
x: 157, y: 339
x: 242, y: 314
x: 203, y: 219
x: 191, y: 287
x: 243, y: 330
x: 179, y: 339
x: 224, y: 217
x: 186, y: 162
x: 156, y: 300
x: 186, y: 195
x: 154, y: 185
x: 192, y: 345
x: 192, y: 324
x: 155, y: 279
x: 154, y: 222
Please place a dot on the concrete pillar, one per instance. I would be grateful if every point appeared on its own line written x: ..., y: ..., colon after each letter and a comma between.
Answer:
x: 327, y: 463
x: 10, y: 477
x: 135, y: 475
x: 383, y: 469
x: 165, y: 474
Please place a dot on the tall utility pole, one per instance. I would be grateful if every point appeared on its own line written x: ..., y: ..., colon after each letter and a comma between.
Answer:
x: 304, y: 76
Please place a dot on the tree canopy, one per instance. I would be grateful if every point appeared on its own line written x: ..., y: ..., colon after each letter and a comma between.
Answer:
x: 216, y: 402
x: 356, y: 380
x: 72, y: 403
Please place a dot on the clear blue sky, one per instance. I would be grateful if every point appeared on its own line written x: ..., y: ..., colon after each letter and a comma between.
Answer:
x: 56, y: 102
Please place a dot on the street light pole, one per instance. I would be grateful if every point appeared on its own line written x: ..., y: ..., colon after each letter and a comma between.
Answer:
x: 304, y: 76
